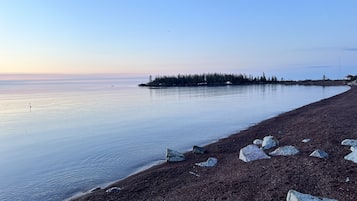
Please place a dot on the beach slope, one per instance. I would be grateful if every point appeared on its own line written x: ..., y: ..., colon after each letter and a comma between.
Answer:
x: 326, y: 123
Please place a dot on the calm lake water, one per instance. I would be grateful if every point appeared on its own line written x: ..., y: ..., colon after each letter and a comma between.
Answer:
x: 60, y: 137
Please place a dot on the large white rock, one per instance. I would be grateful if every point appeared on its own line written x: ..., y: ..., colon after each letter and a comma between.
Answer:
x: 352, y: 156
x: 269, y: 142
x: 174, y: 156
x: 252, y: 153
x: 284, y: 151
x: 211, y: 162
x: 349, y: 142
x: 319, y: 154
x: 296, y: 196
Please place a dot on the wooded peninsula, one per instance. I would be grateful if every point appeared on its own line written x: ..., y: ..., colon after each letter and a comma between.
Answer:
x: 218, y: 79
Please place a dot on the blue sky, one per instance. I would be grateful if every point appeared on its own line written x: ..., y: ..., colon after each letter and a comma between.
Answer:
x: 290, y: 39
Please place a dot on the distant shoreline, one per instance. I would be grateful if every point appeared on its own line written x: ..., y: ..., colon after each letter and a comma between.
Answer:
x: 303, y: 82
x: 215, y: 79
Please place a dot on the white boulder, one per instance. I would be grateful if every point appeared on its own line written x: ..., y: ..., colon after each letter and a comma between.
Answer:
x: 258, y: 142
x: 349, y: 142
x: 296, y: 196
x: 174, y: 156
x: 269, y: 142
x: 211, y: 162
x: 352, y: 156
x: 319, y: 154
x: 252, y: 153
x: 284, y: 151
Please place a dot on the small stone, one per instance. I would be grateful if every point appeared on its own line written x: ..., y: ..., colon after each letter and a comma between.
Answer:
x: 198, y: 150
x: 284, y: 151
x: 211, y: 162
x: 296, y: 196
x: 194, y: 173
x: 306, y: 140
x: 269, y: 142
x: 113, y: 190
x: 347, y: 179
x: 349, y: 142
x: 258, y: 142
x: 252, y: 153
x: 174, y: 156
x: 319, y: 154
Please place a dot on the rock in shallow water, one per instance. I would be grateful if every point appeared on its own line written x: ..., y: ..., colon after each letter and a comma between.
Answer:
x: 296, y: 196
x: 174, y: 156
x: 269, y: 142
x: 252, y: 153
x: 211, y: 162
x: 284, y: 151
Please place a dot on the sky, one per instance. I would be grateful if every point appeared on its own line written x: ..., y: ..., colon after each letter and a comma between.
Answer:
x: 303, y: 39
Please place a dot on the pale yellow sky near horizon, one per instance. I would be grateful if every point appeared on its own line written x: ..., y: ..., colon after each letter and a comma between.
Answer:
x: 294, y: 40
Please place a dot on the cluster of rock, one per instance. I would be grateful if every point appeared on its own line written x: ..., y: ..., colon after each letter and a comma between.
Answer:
x: 256, y: 151
x: 353, y: 146
x: 175, y: 156
x: 253, y: 152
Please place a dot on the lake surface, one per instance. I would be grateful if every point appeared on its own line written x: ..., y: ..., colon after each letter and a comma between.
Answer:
x: 64, y: 136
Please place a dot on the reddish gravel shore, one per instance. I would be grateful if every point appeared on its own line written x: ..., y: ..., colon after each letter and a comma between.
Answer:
x: 326, y: 123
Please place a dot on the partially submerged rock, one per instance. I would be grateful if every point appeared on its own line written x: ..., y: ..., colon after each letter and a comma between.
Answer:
x: 258, y: 142
x: 297, y: 196
x: 211, y: 162
x: 349, y: 142
x: 269, y: 142
x: 285, y: 151
x: 113, y: 190
x: 174, y: 156
x: 252, y: 153
x: 352, y: 156
x: 198, y: 150
x: 95, y: 189
x: 319, y: 154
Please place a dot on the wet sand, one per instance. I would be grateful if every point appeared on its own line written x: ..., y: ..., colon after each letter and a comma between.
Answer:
x: 326, y: 123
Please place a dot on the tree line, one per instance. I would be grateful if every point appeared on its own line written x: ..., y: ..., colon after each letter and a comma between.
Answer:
x: 213, y: 79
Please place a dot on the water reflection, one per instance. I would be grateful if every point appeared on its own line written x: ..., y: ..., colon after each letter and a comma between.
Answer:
x: 82, y: 134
